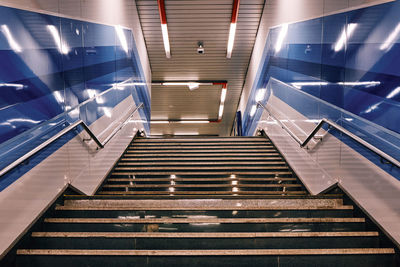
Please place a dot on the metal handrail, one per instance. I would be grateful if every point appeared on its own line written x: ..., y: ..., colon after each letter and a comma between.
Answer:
x: 61, y: 133
x: 340, y: 129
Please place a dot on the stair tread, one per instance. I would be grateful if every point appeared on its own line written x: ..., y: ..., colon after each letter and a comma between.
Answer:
x: 198, y: 179
x: 204, y: 168
x: 203, y: 234
x: 195, y: 172
x: 236, y: 159
x: 215, y: 252
x: 197, y: 185
x: 202, y: 163
x: 204, y: 220
x: 203, y: 192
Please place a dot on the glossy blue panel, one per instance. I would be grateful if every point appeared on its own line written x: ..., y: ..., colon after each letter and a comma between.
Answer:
x: 50, y: 65
x: 350, y: 60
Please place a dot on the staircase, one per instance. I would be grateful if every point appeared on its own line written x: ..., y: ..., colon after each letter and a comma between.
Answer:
x: 205, y: 202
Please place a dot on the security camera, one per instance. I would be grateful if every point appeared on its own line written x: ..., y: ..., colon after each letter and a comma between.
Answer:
x: 200, y: 48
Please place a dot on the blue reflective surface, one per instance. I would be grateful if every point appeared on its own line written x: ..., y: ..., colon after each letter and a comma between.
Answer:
x: 349, y: 60
x: 48, y: 66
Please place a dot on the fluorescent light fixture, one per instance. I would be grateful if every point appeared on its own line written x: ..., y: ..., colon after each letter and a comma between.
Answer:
x: 235, y: 189
x: 10, y: 39
x: 260, y: 94
x: 233, y: 176
x: 281, y: 38
x: 173, y: 176
x: 62, y: 48
x: 193, y: 86
x: 171, y: 189
x: 17, y: 86
x: 299, y: 85
x: 388, y: 43
x: 167, y: 48
x: 367, y: 83
x: 159, y: 122
x: 393, y: 93
x: 234, y: 182
x: 221, y: 111
x: 344, y: 36
x: 253, y: 110
x: 223, y: 95
x: 122, y: 38
x: 231, y: 40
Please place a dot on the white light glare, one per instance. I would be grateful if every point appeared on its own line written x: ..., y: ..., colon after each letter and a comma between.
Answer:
x: 223, y: 95
x: 260, y: 95
x: 167, y: 48
x: 234, y: 182
x: 171, y: 189
x: 159, y: 122
x: 367, y: 84
x: 233, y: 176
x: 253, y: 110
x: 91, y: 93
x: 391, y: 38
x: 58, y: 96
x: 281, y: 37
x: 10, y: 39
x: 345, y: 35
x: 173, y: 176
x: 62, y: 48
x: 17, y: 86
x: 299, y: 85
x: 393, y: 93
x: 231, y: 40
x: 122, y: 38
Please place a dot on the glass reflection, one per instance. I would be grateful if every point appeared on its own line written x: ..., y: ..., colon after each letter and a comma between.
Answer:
x: 10, y: 39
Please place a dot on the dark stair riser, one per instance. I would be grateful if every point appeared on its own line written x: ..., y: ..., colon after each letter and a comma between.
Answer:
x: 204, y: 243
x: 207, y: 261
x: 253, y: 227
x: 218, y: 214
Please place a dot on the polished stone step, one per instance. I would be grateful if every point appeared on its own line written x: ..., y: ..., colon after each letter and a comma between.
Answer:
x: 200, y: 155
x: 208, y: 193
x: 175, y: 169
x: 205, y: 163
x: 210, y: 139
x: 177, y: 185
x: 196, y: 159
x: 242, y: 180
x: 199, y: 172
x: 195, y: 148
x: 204, y: 143
x: 213, y: 204
x: 319, y: 259
x: 209, y: 151
x: 201, y: 220
x: 236, y: 252
x: 198, y: 240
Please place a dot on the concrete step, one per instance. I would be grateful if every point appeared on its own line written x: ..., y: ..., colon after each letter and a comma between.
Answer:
x: 174, y: 169
x: 196, y: 179
x: 210, y: 151
x: 199, y: 155
x: 195, y: 159
x: 209, y: 139
x: 175, y: 185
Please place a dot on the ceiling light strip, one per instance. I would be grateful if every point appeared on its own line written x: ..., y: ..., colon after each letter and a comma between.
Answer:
x: 232, y: 28
x: 222, y: 100
x: 164, y: 28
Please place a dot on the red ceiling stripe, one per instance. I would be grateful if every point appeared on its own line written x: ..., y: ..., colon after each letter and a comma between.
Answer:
x: 161, y: 10
x: 235, y: 11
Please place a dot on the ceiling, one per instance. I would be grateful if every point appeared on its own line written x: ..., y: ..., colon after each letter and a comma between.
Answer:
x: 190, y: 21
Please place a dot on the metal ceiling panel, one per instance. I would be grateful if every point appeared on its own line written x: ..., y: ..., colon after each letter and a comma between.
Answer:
x: 189, y: 22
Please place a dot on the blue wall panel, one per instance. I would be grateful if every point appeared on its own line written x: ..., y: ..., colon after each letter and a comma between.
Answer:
x: 49, y: 65
x: 349, y: 60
